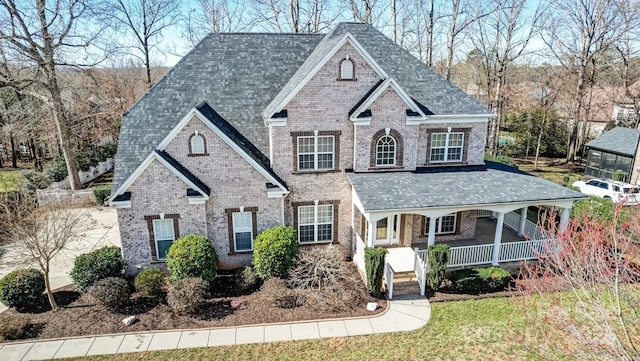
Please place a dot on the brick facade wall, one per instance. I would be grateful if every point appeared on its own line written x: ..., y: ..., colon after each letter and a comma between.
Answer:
x: 465, y: 228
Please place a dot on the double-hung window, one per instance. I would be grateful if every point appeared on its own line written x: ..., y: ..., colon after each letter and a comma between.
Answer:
x: 243, y: 231
x: 164, y: 235
x: 444, y: 225
x: 315, y: 223
x: 446, y: 147
x: 316, y: 153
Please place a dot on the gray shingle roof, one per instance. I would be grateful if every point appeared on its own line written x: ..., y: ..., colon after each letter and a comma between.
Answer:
x: 461, y: 186
x: 237, y: 74
x: 618, y: 140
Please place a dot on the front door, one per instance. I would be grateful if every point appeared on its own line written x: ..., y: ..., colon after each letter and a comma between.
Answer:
x: 387, y: 231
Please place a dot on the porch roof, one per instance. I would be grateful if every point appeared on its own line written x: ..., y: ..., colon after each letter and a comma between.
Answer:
x: 490, y: 184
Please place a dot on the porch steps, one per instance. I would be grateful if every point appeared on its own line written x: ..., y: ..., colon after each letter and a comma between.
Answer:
x: 405, y: 288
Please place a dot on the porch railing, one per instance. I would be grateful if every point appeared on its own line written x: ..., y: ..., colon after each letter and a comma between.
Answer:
x: 470, y: 255
x: 524, y: 250
x: 421, y: 267
x: 482, y: 213
x: 531, y: 230
x: 388, y: 277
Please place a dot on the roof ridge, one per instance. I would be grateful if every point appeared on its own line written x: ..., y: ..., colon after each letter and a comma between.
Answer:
x: 182, y: 169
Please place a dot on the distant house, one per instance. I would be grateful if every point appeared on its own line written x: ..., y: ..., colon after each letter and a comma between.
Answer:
x: 346, y: 137
x: 614, y: 151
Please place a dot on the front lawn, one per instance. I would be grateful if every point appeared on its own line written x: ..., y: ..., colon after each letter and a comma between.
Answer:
x: 487, y: 329
x: 9, y: 180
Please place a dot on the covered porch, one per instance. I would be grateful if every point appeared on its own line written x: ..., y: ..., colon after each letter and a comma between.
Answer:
x: 480, y: 212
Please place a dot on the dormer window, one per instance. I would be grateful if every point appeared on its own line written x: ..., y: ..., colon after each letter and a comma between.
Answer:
x: 197, y: 145
x: 347, y: 69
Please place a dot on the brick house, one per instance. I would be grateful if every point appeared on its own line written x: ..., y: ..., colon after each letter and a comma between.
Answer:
x: 344, y: 136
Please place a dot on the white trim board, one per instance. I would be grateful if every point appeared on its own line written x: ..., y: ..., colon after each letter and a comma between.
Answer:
x: 142, y: 167
x: 347, y: 37
x: 378, y: 92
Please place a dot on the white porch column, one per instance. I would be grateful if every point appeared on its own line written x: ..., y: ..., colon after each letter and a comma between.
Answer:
x: 432, y: 231
x: 523, y: 221
x: 371, y: 231
x: 564, y: 220
x: 497, y: 239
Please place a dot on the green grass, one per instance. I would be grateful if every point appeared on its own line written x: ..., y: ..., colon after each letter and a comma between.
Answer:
x: 555, y: 174
x: 488, y: 329
x: 9, y: 180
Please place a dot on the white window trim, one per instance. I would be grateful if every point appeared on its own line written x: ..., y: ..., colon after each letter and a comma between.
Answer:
x: 193, y: 148
x: 242, y: 230
x: 439, y: 224
x: 343, y: 63
x: 316, y: 153
x: 316, y: 223
x: 395, y: 152
x: 155, y: 235
x: 446, y: 149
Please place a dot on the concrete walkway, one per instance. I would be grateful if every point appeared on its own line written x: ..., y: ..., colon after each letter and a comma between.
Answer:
x: 405, y: 313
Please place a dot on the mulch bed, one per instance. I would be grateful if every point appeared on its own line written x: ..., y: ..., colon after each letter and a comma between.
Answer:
x: 448, y: 293
x: 80, y: 316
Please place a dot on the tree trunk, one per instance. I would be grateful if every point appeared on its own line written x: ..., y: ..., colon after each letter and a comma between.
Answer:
x: 14, y: 161
x: 450, y: 40
x: 394, y: 22
x: 544, y: 120
x: 47, y: 284
x: 36, y: 160
x: 430, y: 35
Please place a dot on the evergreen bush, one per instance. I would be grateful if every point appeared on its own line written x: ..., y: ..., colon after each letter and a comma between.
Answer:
x: 274, y: 252
x: 14, y: 327
x: 22, y: 288
x: 187, y: 295
x: 101, y: 194
x: 438, y: 260
x: 374, y: 268
x: 111, y: 292
x: 93, y: 266
x: 192, y: 256
x: 149, y: 282
x: 480, y: 280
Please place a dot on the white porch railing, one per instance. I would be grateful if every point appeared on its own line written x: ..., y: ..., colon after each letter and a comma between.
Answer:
x: 470, y: 255
x: 531, y: 230
x: 524, y: 250
x: 421, y: 267
x: 388, y: 277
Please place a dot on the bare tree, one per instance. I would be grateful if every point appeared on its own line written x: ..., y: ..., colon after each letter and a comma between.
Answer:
x: 36, y: 40
x: 147, y: 20
x: 576, y: 31
x: 587, y: 279
x: 39, y: 234
x: 296, y: 16
x: 215, y: 16
x: 502, y: 37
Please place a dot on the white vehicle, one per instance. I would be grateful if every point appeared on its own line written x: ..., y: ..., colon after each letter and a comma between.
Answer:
x: 628, y: 194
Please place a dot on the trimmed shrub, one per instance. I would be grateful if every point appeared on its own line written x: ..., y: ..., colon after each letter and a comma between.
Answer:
x: 149, y: 282
x: 111, y: 292
x: 480, y: 280
x: 438, y: 260
x: 281, y: 295
x: 22, y: 288
x: 317, y: 267
x: 192, y: 256
x: 506, y: 160
x: 274, y: 252
x: 187, y: 295
x: 35, y: 180
x: 101, y: 194
x: 14, y: 327
x: 99, y: 264
x: 246, y: 279
x: 374, y: 269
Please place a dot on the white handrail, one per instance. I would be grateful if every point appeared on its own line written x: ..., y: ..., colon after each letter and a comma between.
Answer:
x: 420, y: 268
x: 388, y: 277
x: 470, y: 255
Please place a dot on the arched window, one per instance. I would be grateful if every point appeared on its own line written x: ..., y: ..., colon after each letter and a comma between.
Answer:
x: 197, y: 145
x: 386, y: 151
x: 346, y: 69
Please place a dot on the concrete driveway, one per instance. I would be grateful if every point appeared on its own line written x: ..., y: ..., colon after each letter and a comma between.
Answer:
x: 99, y: 229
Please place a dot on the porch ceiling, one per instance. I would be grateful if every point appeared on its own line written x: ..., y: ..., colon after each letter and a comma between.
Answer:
x: 455, y: 186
